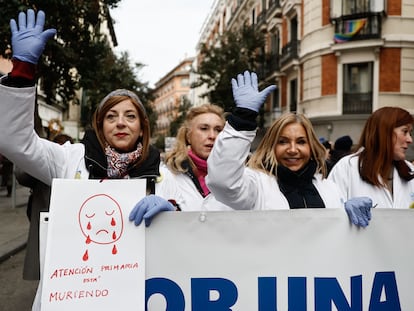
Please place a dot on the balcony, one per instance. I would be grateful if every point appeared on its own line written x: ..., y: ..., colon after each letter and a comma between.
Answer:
x: 289, y: 52
x: 357, y: 103
x: 269, y: 66
x: 273, y: 6
x: 359, y: 26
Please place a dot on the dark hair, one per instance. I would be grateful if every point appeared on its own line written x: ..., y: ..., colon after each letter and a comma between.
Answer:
x: 377, y: 157
x: 62, y: 138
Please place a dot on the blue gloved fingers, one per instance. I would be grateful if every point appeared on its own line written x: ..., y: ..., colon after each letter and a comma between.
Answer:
x: 255, y: 83
x: 359, y: 210
x: 28, y: 38
x: 13, y: 26
x: 137, y: 213
x: 240, y: 80
x: 40, y: 20
x: 30, y: 23
x: 352, y: 217
x: 47, y: 34
x: 268, y: 90
x: 160, y: 205
x: 247, y: 79
x: 163, y: 207
x: 22, y: 20
x: 234, y: 85
x: 133, y: 213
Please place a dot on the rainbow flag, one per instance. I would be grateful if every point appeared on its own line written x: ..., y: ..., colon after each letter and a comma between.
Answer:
x: 352, y: 27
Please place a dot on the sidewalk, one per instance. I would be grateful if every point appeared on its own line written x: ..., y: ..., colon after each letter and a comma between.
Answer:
x: 14, y: 225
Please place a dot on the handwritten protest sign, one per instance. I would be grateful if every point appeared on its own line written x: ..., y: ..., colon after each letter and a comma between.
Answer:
x: 95, y: 257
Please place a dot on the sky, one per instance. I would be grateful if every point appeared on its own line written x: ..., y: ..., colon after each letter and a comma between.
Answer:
x: 159, y: 34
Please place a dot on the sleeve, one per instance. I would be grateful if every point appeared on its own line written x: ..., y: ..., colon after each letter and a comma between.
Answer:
x: 227, y: 176
x: 36, y: 156
x: 340, y: 176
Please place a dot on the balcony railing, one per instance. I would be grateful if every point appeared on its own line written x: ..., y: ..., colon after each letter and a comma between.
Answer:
x: 371, y: 29
x: 269, y: 66
x: 289, y: 52
x: 273, y: 5
x: 356, y: 103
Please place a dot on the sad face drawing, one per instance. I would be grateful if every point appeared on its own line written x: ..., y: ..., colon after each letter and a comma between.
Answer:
x: 101, y: 222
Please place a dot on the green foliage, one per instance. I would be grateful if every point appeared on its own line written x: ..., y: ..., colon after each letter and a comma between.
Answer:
x: 79, y: 44
x: 235, y: 52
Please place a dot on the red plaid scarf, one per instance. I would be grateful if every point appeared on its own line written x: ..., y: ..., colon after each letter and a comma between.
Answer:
x: 118, y: 163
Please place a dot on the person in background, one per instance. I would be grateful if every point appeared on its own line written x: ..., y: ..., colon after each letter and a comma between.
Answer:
x: 287, y: 170
x: 182, y: 181
x: 38, y: 202
x: 342, y: 147
x: 328, y: 147
x: 379, y: 168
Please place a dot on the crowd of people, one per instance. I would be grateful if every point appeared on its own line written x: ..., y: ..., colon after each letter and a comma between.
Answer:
x: 210, y: 167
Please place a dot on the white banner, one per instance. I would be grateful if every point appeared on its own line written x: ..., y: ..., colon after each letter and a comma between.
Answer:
x: 296, y: 260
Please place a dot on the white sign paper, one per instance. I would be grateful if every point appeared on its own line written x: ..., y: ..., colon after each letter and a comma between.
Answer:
x: 95, y: 257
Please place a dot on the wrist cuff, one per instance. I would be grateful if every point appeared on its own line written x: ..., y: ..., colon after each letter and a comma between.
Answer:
x: 177, y: 207
x: 243, y: 119
x: 23, y: 70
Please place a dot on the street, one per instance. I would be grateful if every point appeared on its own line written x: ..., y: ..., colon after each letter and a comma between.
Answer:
x: 16, y: 294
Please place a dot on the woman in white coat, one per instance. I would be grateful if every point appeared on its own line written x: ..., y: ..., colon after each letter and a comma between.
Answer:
x: 185, y: 166
x: 379, y: 168
x: 182, y: 183
x: 117, y: 146
x: 286, y: 171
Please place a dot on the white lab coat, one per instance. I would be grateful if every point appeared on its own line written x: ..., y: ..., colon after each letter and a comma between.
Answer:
x: 245, y: 189
x: 181, y: 188
x: 36, y: 156
x: 346, y: 175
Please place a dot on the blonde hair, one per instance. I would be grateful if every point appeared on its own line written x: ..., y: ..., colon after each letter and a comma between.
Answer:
x: 175, y: 158
x: 110, y: 101
x: 264, y: 158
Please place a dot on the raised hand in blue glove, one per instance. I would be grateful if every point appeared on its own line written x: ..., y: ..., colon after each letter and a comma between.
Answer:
x: 359, y: 210
x: 29, y: 39
x: 148, y: 207
x: 246, y: 91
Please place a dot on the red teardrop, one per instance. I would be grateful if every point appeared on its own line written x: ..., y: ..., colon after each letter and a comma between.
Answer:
x: 85, y: 256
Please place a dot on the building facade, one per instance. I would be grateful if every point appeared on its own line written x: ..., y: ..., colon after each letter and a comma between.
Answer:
x: 336, y: 61
x: 169, y: 93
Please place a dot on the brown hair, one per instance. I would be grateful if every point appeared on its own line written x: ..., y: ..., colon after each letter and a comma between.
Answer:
x: 376, y: 158
x: 264, y: 158
x: 62, y: 138
x: 175, y: 158
x: 110, y: 101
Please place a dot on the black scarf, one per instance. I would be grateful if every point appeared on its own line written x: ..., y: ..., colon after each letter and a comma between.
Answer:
x: 96, y: 162
x: 298, y: 187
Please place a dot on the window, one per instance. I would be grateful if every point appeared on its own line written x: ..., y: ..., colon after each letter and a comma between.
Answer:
x: 184, y: 82
x: 293, y: 105
x: 355, y: 6
x: 277, y: 110
x: 357, y: 88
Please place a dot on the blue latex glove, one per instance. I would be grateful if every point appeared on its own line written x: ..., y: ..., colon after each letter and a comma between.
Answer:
x: 148, y: 207
x: 246, y: 92
x: 359, y: 210
x: 29, y: 39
